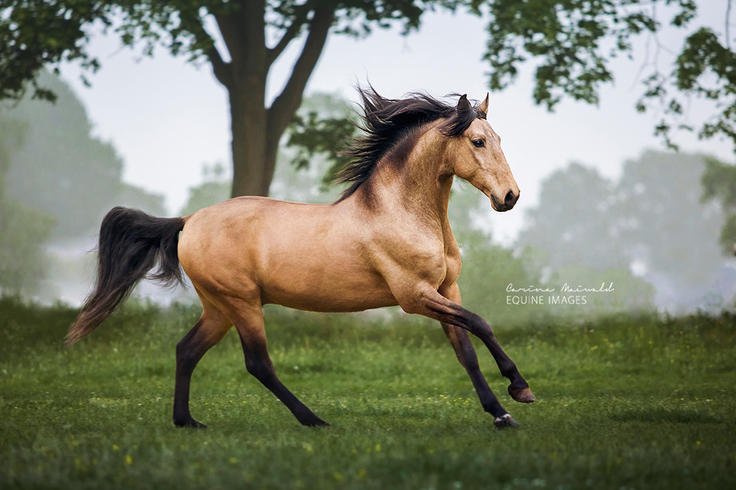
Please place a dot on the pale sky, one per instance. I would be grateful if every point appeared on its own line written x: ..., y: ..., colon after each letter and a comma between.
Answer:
x: 167, y: 117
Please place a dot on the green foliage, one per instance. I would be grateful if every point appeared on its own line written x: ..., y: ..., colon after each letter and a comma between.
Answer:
x: 402, y: 409
x: 323, y: 127
x: 573, y: 42
x: 63, y: 171
x: 707, y: 68
x: 177, y: 25
x: 719, y: 184
x: 25, y: 52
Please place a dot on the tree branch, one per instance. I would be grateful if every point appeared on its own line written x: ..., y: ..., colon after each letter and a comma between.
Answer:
x: 286, y: 104
x: 728, y: 20
x: 227, y: 25
x: 221, y: 69
x: 243, y: 30
x: 291, y: 32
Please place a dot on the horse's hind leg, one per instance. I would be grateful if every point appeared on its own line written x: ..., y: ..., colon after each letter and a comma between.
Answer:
x: 248, y: 319
x: 208, y: 331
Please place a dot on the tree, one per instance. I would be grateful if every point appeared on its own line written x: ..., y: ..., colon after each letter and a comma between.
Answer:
x: 302, y: 170
x: 651, y: 220
x: 574, y: 41
x: 719, y: 184
x: 571, y: 41
x: 24, y: 230
x: 664, y: 225
x: 572, y: 223
x: 63, y: 171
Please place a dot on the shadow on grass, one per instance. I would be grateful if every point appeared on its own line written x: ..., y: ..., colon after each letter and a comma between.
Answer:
x: 661, y: 415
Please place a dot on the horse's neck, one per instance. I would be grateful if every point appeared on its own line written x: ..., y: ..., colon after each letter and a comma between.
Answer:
x: 420, y: 184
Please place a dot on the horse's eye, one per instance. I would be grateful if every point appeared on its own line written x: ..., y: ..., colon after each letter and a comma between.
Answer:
x: 479, y: 143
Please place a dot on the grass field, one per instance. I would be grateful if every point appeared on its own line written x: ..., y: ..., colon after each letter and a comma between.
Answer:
x: 623, y: 403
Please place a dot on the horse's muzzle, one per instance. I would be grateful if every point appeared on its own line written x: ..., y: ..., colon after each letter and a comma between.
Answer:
x: 508, y: 202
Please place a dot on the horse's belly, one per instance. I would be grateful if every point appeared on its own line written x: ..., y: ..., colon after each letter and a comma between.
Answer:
x: 328, y: 290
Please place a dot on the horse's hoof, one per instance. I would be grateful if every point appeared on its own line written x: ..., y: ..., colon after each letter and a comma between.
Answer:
x: 522, y: 395
x: 189, y: 423
x: 505, y: 421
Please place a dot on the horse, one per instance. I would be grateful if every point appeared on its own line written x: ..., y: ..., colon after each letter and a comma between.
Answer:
x: 386, y: 241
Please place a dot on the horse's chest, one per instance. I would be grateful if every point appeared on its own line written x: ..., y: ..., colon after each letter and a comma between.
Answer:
x: 421, y: 260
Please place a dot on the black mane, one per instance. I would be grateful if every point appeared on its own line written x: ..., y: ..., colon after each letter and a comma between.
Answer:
x: 390, y: 125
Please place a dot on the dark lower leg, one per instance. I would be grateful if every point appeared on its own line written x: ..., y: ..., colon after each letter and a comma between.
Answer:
x: 518, y: 388
x: 258, y: 363
x: 505, y: 364
x: 468, y: 358
x: 188, y: 353
x: 460, y: 317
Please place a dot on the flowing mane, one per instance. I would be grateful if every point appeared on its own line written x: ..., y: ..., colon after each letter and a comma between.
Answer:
x: 390, y: 127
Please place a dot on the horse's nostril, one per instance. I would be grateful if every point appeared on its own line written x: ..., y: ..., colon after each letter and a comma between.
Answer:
x: 510, y: 198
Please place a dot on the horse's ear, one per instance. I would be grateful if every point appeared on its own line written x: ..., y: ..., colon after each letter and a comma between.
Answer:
x: 463, y: 105
x: 483, y: 107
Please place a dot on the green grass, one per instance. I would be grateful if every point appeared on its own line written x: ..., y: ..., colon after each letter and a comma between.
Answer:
x: 629, y: 402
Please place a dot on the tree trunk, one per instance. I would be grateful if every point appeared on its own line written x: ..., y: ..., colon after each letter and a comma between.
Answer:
x: 253, y: 160
x: 256, y: 130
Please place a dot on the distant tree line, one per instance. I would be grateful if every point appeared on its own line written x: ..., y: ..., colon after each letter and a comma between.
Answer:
x: 57, y: 180
x: 650, y: 231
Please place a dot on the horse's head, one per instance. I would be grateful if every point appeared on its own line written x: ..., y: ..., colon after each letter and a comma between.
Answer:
x: 477, y: 157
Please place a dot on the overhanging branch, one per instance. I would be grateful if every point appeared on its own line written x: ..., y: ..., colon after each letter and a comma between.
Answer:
x: 291, y: 32
x: 288, y: 101
x: 220, y: 68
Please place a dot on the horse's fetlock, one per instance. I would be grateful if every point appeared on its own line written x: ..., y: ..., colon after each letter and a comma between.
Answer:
x: 509, y: 370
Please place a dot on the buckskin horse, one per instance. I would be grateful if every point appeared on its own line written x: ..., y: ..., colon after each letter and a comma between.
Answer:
x: 386, y: 241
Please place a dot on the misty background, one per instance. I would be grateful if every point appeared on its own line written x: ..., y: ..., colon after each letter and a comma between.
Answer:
x: 602, y: 200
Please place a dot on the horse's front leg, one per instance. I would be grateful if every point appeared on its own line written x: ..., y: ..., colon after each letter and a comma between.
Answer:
x: 466, y: 355
x: 426, y: 301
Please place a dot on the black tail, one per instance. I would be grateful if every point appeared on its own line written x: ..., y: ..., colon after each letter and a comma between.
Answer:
x: 131, y: 242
